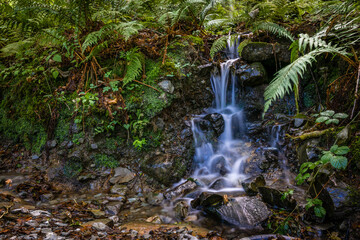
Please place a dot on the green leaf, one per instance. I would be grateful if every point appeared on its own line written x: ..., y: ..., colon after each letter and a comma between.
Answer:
x: 326, y: 158
x: 327, y: 113
x: 334, y: 148
x: 341, y: 115
x: 319, y: 211
x: 342, y: 150
x: 332, y: 121
x: 321, y: 119
x: 339, y: 162
x: 55, y: 74
x: 57, y: 58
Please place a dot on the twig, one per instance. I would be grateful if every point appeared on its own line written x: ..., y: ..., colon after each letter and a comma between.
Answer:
x: 356, y: 93
x: 146, y: 85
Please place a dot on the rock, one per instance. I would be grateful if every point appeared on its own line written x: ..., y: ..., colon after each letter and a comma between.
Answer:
x: 253, y: 100
x: 181, y: 209
x: 32, y: 223
x: 98, y: 213
x: 113, y: 208
x: 133, y: 233
x: 191, y: 218
x: 252, y: 184
x: 205, y: 200
x: 271, y: 154
x: 94, y: 146
x: 167, y: 86
x: 217, y: 123
x: 39, y: 213
x: 160, y: 124
x: 119, y: 189
x: 262, y: 51
x: 273, y: 197
x: 219, y: 165
x: 155, y: 199
x: 81, y: 140
x: 298, y: 122
x: 154, y: 219
x: 46, y: 197
x: 242, y: 211
x: 99, y: 224
x: 268, y: 236
x: 180, y: 190
x: 308, y: 151
x: 76, y: 155
x: 35, y: 157
x: 122, y: 175
x: 51, y: 144
x: 70, y: 144
x: 252, y: 75
x: 218, y: 184
x: 343, y: 136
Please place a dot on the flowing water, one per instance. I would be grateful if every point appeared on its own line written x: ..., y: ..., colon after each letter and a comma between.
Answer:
x: 220, y: 164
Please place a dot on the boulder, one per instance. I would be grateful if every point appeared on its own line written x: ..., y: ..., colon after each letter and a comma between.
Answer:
x: 205, y: 200
x: 122, y: 175
x: 274, y: 198
x: 253, y: 99
x: 219, y: 165
x: 155, y: 199
x: 242, y: 211
x: 180, y: 190
x: 181, y: 209
x: 252, y: 184
x: 252, y: 75
x: 262, y: 51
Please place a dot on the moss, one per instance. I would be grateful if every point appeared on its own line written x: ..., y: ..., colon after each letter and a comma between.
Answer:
x: 76, y: 137
x: 102, y: 160
x: 63, y: 125
x: 72, y: 169
x: 113, y: 143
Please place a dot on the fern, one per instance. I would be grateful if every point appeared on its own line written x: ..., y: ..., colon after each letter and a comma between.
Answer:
x: 218, y: 45
x: 275, y: 29
x: 242, y: 45
x: 288, y: 76
x: 134, y: 66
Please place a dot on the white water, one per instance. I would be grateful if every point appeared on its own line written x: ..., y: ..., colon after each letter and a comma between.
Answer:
x: 224, y: 160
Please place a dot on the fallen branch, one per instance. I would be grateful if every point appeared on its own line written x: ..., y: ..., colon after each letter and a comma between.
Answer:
x: 313, y: 134
x: 356, y: 93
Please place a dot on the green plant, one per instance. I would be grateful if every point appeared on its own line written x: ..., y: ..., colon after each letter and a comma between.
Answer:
x: 329, y: 117
x: 287, y: 193
x: 139, y: 144
x: 102, y: 160
x: 72, y: 168
x: 319, y: 210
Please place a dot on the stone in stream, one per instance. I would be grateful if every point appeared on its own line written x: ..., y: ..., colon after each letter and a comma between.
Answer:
x: 181, y: 209
x: 122, y: 175
x: 219, y: 165
x: 119, y: 189
x: 216, y: 123
x: 113, y: 208
x: 252, y: 184
x: 218, y: 184
x: 180, y: 190
x: 252, y: 75
x: 205, y: 200
x: 240, y: 211
x: 155, y: 199
x: 274, y: 198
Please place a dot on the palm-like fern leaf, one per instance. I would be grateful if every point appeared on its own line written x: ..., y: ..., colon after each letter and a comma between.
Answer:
x: 218, y: 45
x: 288, y: 76
x: 275, y: 29
x: 134, y: 65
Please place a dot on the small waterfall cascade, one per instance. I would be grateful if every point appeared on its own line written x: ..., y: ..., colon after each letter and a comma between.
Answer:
x: 220, y: 162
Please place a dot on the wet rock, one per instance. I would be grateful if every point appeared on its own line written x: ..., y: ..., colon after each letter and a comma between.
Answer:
x: 261, y: 51
x: 218, y: 184
x: 205, y: 200
x: 122, y: 175
x: 155, y: 199
x: 216, y: 123
x: 242, y: 211
x: 252, y: 74
x: 298, y: 122
x: 167, y: 86
x: 34, y: 157
x: 166, y: 169
x: 119, y: 189
x: 271, y: 154
x: 113, y: 208
x: 268, y: 237
x: 219, y: 165
x: 308, y: 151
x: 180, y: 190
x: 273, y: 197
x: 181, y: 209
x: 253, y: 99
x: 252, y: 184
x: 186, y: 133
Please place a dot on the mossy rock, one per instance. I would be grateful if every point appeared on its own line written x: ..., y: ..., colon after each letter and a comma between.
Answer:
x: 262, y: 51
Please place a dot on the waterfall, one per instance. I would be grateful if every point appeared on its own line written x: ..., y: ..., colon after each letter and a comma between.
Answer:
x: 223, y: 160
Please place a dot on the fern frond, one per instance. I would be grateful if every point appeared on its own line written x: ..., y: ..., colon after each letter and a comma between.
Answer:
x: 242, y: 45
x: 275, y: 29
x: 216, y: 23
x: 288, y: 76
x: 218, y: 45
x: 134, y: 65
x: 312, y: 42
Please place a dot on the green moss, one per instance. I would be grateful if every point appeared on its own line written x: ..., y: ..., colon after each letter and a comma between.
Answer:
x: 76, y: 137
x: 72, y: 169
x: 113, y: 143
x: 102, y: 160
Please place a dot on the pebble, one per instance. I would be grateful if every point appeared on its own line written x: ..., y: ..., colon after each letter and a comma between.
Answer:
x: 37, y: 213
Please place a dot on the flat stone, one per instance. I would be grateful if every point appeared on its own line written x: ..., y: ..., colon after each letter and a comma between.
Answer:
x: 38, y: 213
x: 119, y: 189
x: 298, y: 122
x: 98, y: 213
x: 99, y: 224
x: 122, y: 175
x: 113, y: 208
x: 32, y: 223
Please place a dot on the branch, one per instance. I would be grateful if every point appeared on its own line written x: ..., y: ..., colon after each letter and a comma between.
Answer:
x: 313, y: 134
